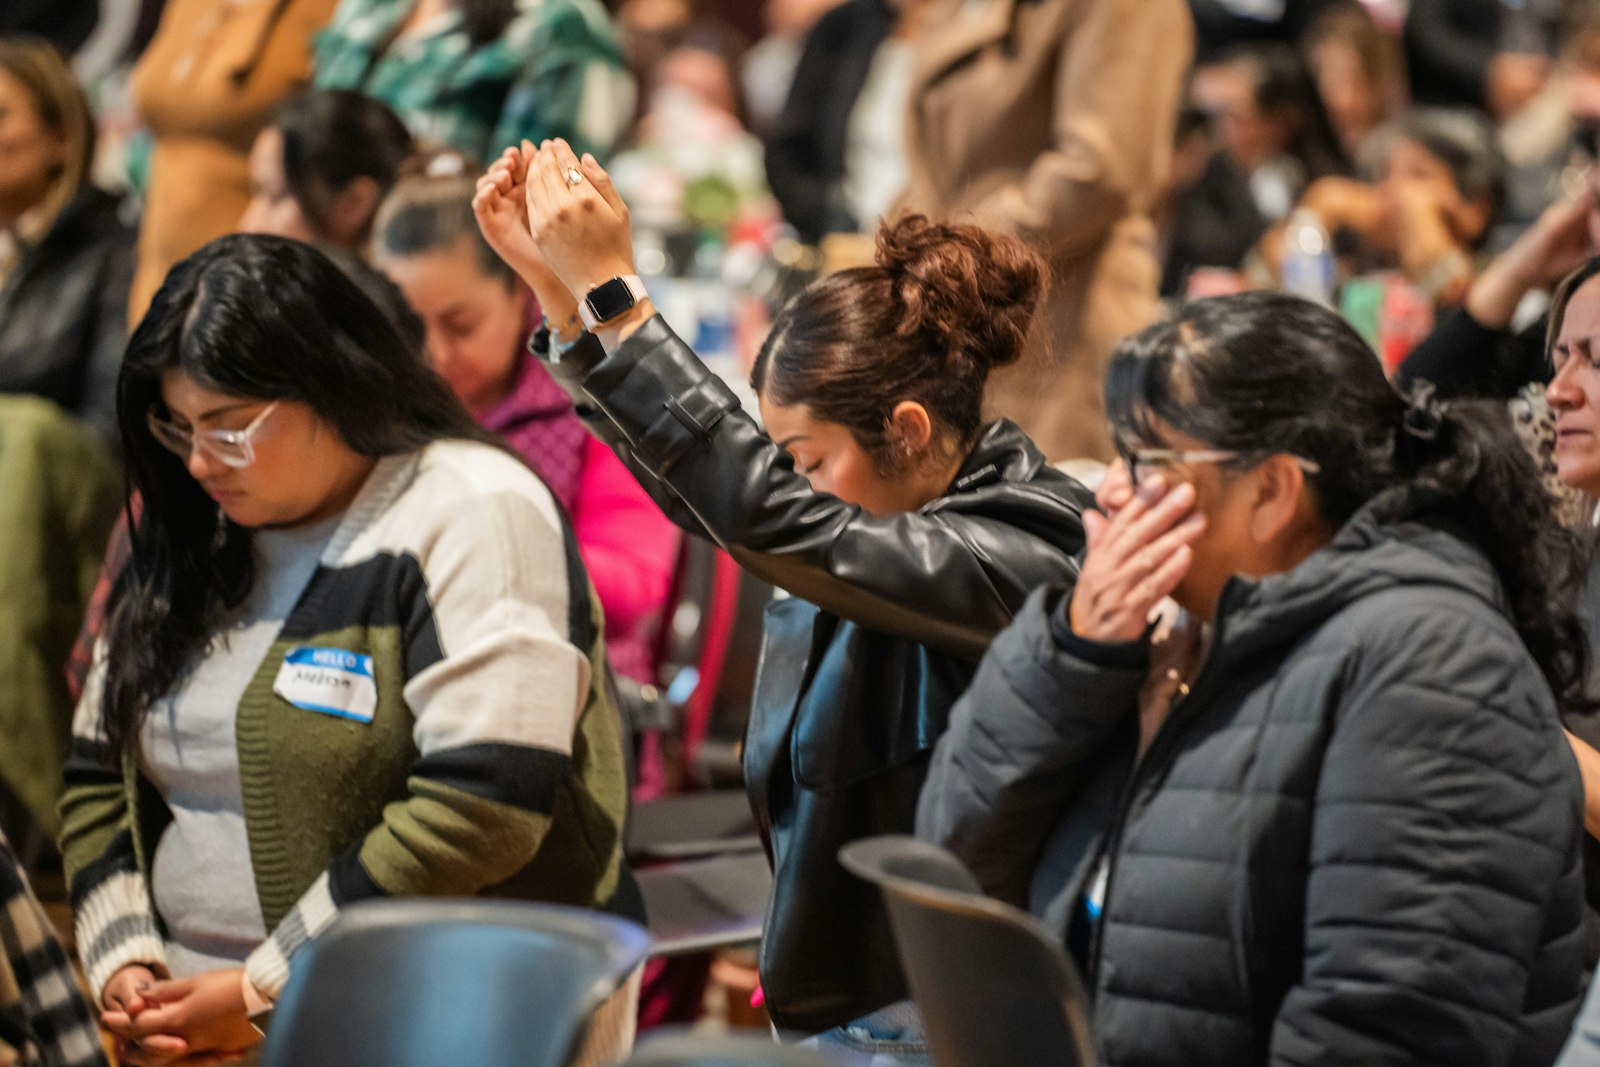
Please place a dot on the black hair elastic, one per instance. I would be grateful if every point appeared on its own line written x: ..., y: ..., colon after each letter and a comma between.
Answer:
x: 1424, y: 415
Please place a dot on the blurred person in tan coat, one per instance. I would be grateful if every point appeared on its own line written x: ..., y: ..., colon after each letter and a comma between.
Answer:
x: 1053, y: 120
x: 212, y: 76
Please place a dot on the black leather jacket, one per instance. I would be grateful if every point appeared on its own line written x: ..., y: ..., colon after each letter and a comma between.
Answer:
x: 887, y: 621
x: 63, y: 314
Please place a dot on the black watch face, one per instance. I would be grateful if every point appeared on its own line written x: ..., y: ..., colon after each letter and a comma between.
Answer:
x: 609, y: 299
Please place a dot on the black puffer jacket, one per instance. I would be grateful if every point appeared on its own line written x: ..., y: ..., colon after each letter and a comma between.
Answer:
x: 1355, y: 842
x: 856, y: 679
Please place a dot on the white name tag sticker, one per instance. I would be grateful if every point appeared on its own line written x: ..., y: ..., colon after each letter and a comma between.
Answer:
x: 329, y: 680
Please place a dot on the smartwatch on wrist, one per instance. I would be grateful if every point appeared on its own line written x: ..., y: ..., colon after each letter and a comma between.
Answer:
x: 610, y: 300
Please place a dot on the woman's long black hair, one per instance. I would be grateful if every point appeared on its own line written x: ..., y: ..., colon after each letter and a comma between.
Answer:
x: 1264, y: 373
x: 267, y: 319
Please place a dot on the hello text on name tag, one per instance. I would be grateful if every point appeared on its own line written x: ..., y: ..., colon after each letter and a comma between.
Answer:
x: 329, y: 680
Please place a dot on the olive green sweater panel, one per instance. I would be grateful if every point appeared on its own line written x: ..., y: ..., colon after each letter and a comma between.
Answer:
x: 314, y: 784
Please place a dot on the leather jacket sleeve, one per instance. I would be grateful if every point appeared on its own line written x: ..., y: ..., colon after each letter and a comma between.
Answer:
x: 569, y: 373
x: 940, y: 577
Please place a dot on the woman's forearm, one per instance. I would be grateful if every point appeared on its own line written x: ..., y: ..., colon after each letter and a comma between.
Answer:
x: 618, y: 330
x: 559, y: 307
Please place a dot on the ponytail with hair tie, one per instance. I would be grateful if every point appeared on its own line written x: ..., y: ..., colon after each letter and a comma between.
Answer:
x: 1424, y: 413
x: 1416, y: 442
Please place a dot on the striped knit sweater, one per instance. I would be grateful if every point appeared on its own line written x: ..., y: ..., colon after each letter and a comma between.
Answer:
x: 492, y: 762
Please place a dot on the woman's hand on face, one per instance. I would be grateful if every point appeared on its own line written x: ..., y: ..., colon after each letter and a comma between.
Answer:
x: 1134, y: 559
x: 1556, y: 244
x: 190, y: 1020
x: 583, y: 230
x: 1422, y: 227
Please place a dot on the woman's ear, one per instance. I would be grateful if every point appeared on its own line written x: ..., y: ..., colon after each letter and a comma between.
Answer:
x: 911, y: 426
x: 353, y: 210
x: 1280, y: 495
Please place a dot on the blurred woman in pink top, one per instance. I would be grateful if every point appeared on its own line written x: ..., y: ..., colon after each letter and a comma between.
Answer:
x: 479, y: 317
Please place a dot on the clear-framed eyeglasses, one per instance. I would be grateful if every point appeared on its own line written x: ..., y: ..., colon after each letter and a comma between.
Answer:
x: 231, y: 448
x: 1144, y: 461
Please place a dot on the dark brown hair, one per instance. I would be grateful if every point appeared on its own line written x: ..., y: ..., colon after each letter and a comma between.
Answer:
x: 430, y: 208
x: 943, y: 306
x: 331, y: 137
x: 1562, y: 298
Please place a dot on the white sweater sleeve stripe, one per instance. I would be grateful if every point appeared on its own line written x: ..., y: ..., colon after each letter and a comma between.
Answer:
x: 268, y: 965
x: 116, y: 926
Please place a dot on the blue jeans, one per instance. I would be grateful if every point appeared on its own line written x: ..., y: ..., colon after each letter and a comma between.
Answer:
x: 889, y: 1037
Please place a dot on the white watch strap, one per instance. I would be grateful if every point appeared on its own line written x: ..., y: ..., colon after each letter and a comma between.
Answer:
x: 635, y: 286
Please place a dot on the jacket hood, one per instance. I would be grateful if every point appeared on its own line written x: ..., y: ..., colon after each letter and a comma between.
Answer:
x: 1400, y: 538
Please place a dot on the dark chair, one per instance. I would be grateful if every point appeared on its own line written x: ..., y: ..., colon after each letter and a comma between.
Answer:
x: 420, y: 982
x: 723, y: 1050
x: 702, y: 904
x: 991, y: 985
x: 689, y: 825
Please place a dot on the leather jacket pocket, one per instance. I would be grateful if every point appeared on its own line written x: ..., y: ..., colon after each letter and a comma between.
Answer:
x: 875, y: 703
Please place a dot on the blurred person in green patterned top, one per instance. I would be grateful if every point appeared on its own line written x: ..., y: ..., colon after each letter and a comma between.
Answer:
x: 475, y: 75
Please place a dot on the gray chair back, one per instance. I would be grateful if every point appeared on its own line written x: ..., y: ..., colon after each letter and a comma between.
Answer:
x: 419, y: 982
x: 991, y: 986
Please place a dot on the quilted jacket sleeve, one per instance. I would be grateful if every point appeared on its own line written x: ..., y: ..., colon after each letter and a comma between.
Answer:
x: 1019, y: 740
x: 1439, y: 860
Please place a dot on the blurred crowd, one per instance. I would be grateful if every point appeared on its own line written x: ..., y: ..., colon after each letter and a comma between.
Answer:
x: 1382, y: 151
x: 1425, y: 170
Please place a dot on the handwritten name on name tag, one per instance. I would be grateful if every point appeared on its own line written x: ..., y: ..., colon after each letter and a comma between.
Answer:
x: 329, y: 680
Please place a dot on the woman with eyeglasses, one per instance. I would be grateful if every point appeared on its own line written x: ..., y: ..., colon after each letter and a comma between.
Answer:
x: 1325, y: 814
x: 354, y: 654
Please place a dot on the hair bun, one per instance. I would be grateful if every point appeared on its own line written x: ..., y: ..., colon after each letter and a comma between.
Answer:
x: 975, y: 291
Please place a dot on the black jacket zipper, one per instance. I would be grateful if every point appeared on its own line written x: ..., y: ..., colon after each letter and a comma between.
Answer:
x: 1158, y: 750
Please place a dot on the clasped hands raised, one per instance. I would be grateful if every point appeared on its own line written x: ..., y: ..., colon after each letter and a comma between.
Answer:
x: 558, y: 221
